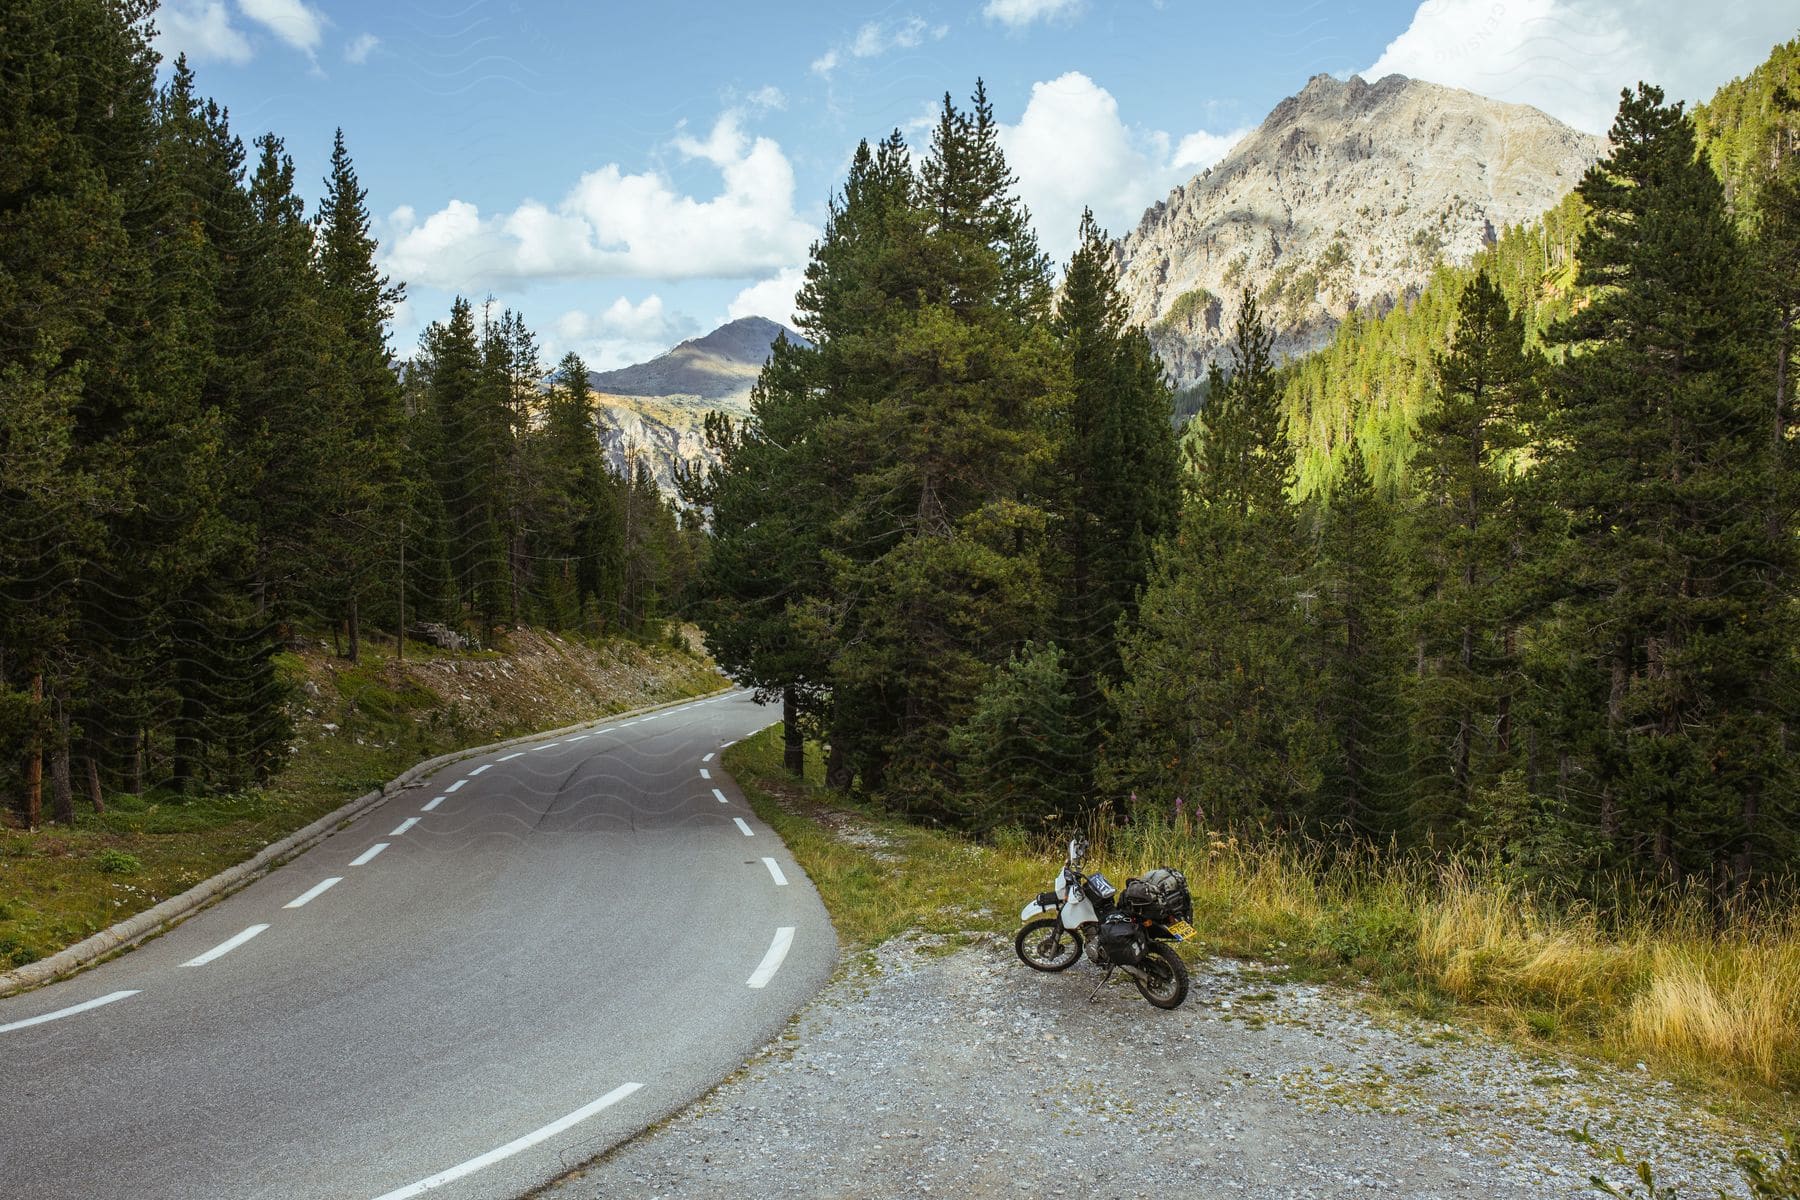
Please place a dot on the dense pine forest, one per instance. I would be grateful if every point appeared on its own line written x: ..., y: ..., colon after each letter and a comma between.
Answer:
x: 209, y: 450
x: 1507, y: 572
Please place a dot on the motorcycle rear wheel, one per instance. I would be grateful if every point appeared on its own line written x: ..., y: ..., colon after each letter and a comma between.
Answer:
x: 1164, y: 981
x: 1044, y: 945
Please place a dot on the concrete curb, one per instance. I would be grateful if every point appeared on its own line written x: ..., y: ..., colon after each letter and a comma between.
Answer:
x: 132, y: 930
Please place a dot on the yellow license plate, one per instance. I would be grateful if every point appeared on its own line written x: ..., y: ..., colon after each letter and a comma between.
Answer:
x: 1182, y: 930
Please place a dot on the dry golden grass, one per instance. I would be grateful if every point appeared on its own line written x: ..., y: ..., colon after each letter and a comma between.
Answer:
x: 1670, y: 981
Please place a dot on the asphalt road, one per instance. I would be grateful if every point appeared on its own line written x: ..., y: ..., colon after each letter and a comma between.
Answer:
x: 573, y: 939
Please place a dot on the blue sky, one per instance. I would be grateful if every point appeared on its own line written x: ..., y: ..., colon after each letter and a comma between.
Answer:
x: 628, y: 174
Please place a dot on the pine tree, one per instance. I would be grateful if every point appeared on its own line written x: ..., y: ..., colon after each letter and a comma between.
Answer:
x: 1111, y: 481
x: 369, y: 498
x: 1359, y: 654
x: 1466, y: 532
x: 1659, y: 446
x: 1214, y: 708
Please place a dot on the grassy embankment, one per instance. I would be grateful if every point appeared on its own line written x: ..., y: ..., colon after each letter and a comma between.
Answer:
x: 1714, y: 1004
x: 356, y: 727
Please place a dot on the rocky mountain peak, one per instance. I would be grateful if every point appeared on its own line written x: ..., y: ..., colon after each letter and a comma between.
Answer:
x: 657, y: 409
x: 1343, y: 199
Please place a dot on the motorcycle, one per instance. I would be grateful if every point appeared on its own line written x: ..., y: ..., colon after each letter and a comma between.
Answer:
x: 1119, y: 933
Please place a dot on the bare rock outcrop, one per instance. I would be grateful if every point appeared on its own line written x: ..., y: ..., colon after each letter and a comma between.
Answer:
x: 1344, y: 199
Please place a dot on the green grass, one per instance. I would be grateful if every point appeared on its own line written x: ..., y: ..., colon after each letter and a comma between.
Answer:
x: 61, y: 884
x: 880, y: 877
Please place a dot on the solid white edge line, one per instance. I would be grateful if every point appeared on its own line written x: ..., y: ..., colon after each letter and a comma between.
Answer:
x: 479, y: 770
x: 707, y: 758
x: 404, y: 826
x: 70, y: 1011
x: 314, y: 892
x: 721, y: 796
x: 748, y: 832
x: 435, y: 801
x: 775, y: 870
x: 225, y: 947
x: 362, y: 859
x: 513, y: 1147
x: 705, y: 774
x: 454, y: 786
x: 784, y: 938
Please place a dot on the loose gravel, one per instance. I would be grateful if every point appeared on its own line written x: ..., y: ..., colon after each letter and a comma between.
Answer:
x: 923, y: 1073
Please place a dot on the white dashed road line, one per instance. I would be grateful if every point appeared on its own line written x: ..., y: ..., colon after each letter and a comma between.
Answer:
x: 707, y: 758
x: 225, y: 947
x: 748, y: 832
x: 511, y: 1148
x: 705, y: 774
x: 720, y: 796
x: 435, y: 801
x: 404, y: 826
x: 784, y: 938
x: 362, y: 859
x: 548, y: 746
x: 70, y: 1011
x: 775, y: 870
x: 454, y: 786
x: 479, y: 770
x: 314, y: 892
x: 510, y: 757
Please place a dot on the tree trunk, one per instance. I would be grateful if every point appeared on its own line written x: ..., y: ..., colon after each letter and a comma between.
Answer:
x: 838, y: 774
x: 793, y: 751
x: 62, y: 794
x: 353, y: 623
x: 34, y: 765
x: 95, y: 796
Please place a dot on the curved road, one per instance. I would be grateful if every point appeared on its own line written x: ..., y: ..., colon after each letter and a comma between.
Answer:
x: 525, y: 959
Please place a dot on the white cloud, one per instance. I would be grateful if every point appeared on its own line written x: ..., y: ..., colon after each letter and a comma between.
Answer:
x: 1571, y: 57
x: 1071, y: 150
x: 202, y: 30
x: 1200, y: 150
x: 614, y: 224
x: 875, y: 38
x: 766, y: 98
x: 290, y: 20
x: 1017, y: 14
x: 772, y: 298
x: 618, y: 335
x: 358, y: 51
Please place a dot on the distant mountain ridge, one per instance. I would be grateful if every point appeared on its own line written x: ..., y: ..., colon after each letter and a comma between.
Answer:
x: 1344, y: 199
x: 657, y: 409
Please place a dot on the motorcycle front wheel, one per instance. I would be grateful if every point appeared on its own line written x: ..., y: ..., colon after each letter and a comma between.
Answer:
x: 1164, y: 981
x: 1044, y: 945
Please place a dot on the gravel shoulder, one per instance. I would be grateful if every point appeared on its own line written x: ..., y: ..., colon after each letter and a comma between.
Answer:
x: 921, y: 1072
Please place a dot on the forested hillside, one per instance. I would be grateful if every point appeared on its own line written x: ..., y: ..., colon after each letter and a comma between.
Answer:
x: 1509, y: 572
x: 207, y: 449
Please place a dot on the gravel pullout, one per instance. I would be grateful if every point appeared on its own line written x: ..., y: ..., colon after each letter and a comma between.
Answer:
x: 966, y: 1074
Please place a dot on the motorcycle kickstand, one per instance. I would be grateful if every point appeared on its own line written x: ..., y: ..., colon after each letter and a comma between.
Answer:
x: 1094, y: 996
